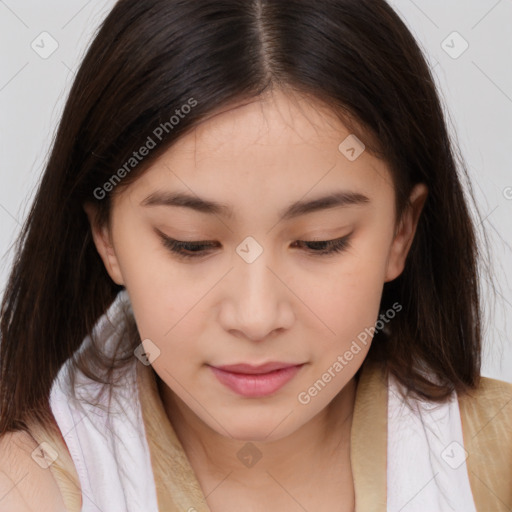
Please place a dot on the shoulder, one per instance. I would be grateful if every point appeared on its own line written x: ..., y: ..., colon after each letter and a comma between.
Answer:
x: 486, y: 415
x: 25, y: 484
x: 486, y: 412
x: 490, y: 400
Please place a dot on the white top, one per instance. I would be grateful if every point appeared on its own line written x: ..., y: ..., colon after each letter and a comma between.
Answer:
x: 109, y: 450
x: 425, y: 458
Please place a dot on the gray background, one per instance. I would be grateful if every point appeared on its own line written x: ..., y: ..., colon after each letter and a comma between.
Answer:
x: 475, y: 86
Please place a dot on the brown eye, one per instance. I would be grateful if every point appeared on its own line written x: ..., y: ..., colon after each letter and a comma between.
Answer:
x: 324, y: 247
x: 188, y: 249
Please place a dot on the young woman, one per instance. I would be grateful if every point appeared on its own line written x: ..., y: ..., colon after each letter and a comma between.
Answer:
x: 249, y: 279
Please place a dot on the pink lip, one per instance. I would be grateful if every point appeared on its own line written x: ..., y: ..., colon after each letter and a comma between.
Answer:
x: 255, y: 381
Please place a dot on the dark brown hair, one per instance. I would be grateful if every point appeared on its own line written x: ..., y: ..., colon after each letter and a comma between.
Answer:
x: 148, y: 59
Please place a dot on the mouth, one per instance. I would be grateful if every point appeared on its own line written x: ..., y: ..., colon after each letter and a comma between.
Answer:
x: 256, y: 381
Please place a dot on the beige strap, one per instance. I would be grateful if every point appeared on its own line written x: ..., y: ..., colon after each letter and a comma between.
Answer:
x: 368, y: 441
x: 176, y: 484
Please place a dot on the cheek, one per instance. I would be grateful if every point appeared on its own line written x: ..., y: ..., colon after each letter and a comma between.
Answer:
x: 346, y: 307
x: 169, y: 317
x: 161, y: 292
x: 347, y: 298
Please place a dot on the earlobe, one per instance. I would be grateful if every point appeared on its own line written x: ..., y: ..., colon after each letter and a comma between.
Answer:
x: 103, y: 242
x: 404, y: 235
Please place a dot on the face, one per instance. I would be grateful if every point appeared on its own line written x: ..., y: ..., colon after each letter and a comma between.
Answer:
x: 253, y: 279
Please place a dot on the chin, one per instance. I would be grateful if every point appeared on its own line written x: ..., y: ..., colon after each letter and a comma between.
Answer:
x: 257, y: 435
x: 258, y: 430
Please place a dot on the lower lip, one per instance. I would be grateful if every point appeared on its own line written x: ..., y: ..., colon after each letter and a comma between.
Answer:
x: 256, y: 385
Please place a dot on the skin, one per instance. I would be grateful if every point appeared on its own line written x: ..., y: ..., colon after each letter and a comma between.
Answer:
x: 288, y: 305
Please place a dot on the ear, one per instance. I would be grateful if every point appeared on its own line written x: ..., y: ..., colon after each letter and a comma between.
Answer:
x: 103, y: 242
x: 404, y: 235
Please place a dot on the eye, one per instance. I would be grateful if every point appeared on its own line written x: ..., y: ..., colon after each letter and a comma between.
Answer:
x: 187, y: 249
x: 197, y: 249
x: 326, y: 247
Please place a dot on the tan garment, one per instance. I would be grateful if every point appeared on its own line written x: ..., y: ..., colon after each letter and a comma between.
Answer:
x: 486, y: 424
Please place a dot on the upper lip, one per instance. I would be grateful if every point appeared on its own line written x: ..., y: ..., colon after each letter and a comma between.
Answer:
x: 253, y: 370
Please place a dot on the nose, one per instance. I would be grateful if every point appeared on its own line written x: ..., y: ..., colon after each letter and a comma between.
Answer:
x: 256, y: 301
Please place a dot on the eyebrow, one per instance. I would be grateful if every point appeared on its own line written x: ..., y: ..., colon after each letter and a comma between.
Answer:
x: 302, y: 207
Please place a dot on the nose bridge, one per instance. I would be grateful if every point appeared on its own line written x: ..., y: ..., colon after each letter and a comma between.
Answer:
x: 257, y: 284
x: 257, y: 295
x: 251, y: 264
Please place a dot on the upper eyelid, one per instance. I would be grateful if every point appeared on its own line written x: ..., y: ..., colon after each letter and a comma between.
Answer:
x: 209, y: 241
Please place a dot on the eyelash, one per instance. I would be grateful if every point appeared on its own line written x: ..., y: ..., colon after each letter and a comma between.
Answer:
x: 179, y: 247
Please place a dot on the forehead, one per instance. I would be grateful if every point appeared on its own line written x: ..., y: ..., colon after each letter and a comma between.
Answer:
x: 278, y: 146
